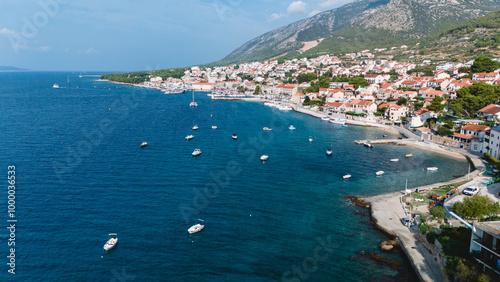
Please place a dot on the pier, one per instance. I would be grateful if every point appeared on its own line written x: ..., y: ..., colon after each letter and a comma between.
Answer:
x: 386, y: 141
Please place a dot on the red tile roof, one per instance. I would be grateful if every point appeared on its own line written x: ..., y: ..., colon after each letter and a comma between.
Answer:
x: 463, y: 136
x: 490, y: 109
x: 474, y: 127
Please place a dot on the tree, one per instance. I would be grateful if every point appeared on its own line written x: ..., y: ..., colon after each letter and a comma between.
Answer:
x: 307, y: 100
x: 257, y: 90
x: 402, y: 101
x: 358, y: 81
x: 444, y: 131
x: 418, y: 105
x: 484, y: 64
x: 476, y: 207
x: 436, y: 105
x: 306, y: 77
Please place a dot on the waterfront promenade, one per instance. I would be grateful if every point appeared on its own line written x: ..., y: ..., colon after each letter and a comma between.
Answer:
x: 388, y: 209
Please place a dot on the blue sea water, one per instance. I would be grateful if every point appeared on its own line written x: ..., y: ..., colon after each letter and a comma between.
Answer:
x: 81, y: 174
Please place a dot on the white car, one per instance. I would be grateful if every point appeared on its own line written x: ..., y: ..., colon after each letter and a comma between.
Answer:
x: 471, y: 191
x: 406, y: 221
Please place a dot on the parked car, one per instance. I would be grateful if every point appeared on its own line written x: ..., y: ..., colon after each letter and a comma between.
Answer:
x: 406, y: 221
x: 470, y: 190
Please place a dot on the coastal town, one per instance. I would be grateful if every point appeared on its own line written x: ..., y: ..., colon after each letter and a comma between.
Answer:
x: 448, y: 107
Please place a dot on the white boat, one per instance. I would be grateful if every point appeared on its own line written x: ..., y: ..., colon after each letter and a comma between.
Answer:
x: 189, y: 137
x: 55, y: 86
x: 195, y: 127
x: 174, y: 90
x: 235, y: 136
x: 214, y: 127
x: 196, y: 152
x: 267, y: 129
x: 329, y: 152
x: 432, y: 168
x: 394, y: 160
x: 380, y: 172
x: 310, y: 139
x: 196, y: 228
x: 285, y: 108
x: 325, y: 118
x: 368, y: 145
x: 347, y: 176
x: 409, y: 155
x: 111, y: 243
x: 337, y: 121
x: 264, y: 158
x: 291, y: 127
x: 144, y: 144
x: 193, y: 104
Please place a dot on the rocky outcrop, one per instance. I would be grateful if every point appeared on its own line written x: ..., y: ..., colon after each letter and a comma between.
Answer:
x: 388, y: 246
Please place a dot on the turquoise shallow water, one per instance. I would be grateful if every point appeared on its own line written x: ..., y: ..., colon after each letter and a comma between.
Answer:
x: 81, y: 175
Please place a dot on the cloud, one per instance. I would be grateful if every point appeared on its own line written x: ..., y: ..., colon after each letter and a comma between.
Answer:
x: 43, y: 48
x: 297, y: 7
x: 314, y: 13
x: 333, y: 3
x: 5, y: 31
x: 92, y: 51
x: 275, y: 17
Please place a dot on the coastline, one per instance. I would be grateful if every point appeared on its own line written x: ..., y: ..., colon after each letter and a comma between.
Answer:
x: 387, y: 209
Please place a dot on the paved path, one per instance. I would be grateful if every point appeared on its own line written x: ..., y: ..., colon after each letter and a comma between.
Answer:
x: 387, y: 212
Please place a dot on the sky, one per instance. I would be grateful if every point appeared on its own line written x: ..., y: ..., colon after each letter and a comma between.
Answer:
x: 127, y: 35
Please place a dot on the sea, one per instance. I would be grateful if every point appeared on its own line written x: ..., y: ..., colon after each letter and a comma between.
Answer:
x: 80, y: 174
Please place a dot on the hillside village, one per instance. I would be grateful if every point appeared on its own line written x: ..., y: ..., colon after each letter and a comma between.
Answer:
x: 419, y: 97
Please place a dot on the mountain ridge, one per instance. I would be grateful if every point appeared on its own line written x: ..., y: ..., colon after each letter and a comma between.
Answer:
x: 391, y: 19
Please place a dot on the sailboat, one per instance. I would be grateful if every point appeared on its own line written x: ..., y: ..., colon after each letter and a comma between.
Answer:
x: 193, y: 104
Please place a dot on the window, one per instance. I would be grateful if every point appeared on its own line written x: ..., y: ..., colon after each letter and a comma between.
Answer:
x: 475, y: 147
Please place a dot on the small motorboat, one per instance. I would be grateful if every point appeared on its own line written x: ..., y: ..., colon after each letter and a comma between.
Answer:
x: 347, y: 176
x: 329, y: 152
x: 111, y: 243
x: 235, y: 137
x: 195, y: 127
x: 380, y: 172
x: 432, y: 168
x: 214, y: 127
x: 394, y: 160
x: 196, y: 152
x: 337, y: 120
x: 55, y: 86
x: 267, y: 129
x: 310, y: 139
x: 189, y: 137
x: 409, y: 155
x: 325, y: 118
x: 264, y: 158
x: 144, y: 144
x: 196, y: 228
x: 368, y: 145
x: 291, y: 127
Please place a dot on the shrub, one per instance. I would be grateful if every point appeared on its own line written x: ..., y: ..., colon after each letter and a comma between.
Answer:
x: 438, y: 212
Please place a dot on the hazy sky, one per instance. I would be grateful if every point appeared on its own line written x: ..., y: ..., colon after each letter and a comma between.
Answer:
x: 112, y: 35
